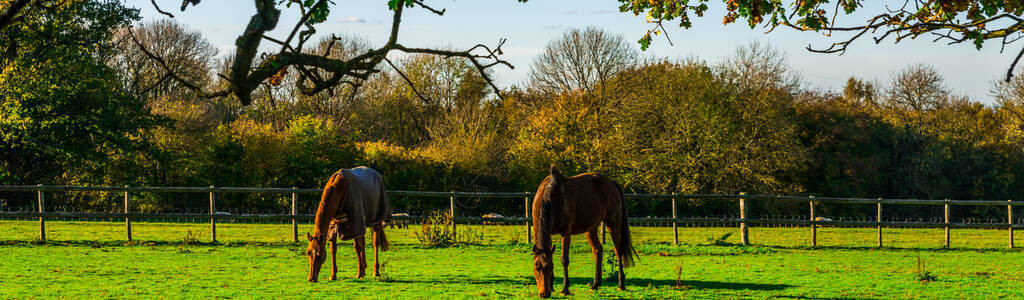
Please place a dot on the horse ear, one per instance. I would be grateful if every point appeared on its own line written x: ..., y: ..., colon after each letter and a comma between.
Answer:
x: 309, y: 237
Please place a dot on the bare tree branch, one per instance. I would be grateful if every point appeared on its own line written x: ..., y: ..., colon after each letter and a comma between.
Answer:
x: 157, y: 7
x: 244, y: 77
x: 408, y: 81
x: 171, y: 73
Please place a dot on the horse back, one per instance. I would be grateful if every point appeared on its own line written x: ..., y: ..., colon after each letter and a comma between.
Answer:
x: 591, y: 199
x: 366, y: 202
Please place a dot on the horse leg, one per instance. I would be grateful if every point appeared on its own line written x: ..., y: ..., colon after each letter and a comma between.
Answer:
x: 334, y: 258
x: 376, y: 248
x: 360, y: 244
x: 565, y: 264
x: 616, y: 230
x: 595, y: 246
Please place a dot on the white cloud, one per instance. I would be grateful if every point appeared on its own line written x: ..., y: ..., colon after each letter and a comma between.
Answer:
x: 352, y: 19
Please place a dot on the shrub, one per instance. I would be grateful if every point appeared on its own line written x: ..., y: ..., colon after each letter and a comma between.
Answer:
x: 436, y: 231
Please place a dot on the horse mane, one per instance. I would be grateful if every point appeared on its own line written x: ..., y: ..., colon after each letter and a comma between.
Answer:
x: 335, y: 189
x: 542, y: 236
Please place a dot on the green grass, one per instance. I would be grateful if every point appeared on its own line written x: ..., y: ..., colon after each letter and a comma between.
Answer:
x: 90, y: 259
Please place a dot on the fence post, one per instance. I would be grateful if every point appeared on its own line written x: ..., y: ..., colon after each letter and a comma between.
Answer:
x: 814, y: 225
x: 946, y: 208
x: 213, y: 222
x: 879, y: 220
x: 744, y: 238
x: 42, y: 221
x: 295, y: 222
x: 451, y: 200
x: 127, y: 221
x: 527, y: 210
x: 675, y: 226
x: 1009, y: 216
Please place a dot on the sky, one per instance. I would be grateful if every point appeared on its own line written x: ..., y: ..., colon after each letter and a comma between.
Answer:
x: 528, y: 27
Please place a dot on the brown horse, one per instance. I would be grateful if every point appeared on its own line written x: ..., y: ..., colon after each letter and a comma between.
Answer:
x: 353, y: 199
x: 576, y: 205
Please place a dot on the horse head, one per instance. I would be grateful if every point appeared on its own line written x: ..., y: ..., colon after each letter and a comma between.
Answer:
x: 543, y: 267
x: 316, y: 253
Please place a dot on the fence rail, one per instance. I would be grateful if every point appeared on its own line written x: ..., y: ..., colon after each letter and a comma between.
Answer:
x: 741, y: 198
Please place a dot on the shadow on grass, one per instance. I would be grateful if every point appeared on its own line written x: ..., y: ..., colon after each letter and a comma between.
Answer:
x: 144, y: 243
x: 811, y: 297
x: 667, y: 283
x: 606, y: 284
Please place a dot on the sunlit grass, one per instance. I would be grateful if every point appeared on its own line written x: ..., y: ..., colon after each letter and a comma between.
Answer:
x: 91, y: 259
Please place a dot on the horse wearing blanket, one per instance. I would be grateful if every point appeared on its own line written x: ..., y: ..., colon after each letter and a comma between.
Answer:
x: 353, y: 200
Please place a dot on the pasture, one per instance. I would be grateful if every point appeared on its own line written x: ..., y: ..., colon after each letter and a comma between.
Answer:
x: 173, y: 260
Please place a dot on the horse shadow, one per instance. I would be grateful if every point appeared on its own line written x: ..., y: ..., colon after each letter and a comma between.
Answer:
x: 582, y: 281
x: 692, y: 284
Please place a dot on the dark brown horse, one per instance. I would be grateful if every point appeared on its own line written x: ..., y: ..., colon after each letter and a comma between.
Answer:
x: 353, y: 199
x: 576, y: 205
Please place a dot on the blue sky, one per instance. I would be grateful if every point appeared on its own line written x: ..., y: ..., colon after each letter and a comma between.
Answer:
x: 529, y: 26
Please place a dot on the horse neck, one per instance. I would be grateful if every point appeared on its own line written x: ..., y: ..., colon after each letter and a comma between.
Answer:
x: 328, y: 208
x: 542, y: 236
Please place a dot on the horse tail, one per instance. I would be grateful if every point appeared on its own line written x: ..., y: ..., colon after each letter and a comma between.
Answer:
x: 380, y: 240
x: 625, y: 243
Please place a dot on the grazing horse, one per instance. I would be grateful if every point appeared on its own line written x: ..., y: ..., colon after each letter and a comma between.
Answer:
x: 353, y: 199
x: 576, y: 205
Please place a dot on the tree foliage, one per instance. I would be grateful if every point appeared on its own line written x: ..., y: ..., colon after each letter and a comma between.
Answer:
x: 951, y: 21
x: 61, y: 107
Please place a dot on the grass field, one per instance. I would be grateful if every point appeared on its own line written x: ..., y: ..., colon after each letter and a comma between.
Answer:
x: 90, y: 259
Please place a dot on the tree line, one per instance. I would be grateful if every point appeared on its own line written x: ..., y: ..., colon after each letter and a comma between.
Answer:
x: 85, y: 103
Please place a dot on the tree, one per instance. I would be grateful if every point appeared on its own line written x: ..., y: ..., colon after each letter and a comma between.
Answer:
x: 1010, y: 97
x: 759, y: 67
x: 581, y: 59
x: 246, y: 75
x: 918, y: 87
x: 951, y: 21
x: 15, y: 11
x: 184, y: 51
x: 62, y: 112
x: 860, y: 91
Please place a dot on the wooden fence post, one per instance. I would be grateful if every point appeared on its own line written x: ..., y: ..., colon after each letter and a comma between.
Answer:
x: 744, y: 238
x: 213, y: 222
x: 295, y: 222
x: 528, y: 216
x: 814, y: 225
x: 127, y: 221
x: 451, y: 200
x: 946, y: 208
x: 675, y: 226
x: 879, y: 220
x: 42, y: 221
x: 1009, y: 216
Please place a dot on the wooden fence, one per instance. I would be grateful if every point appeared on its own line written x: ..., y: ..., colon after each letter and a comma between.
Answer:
x: 743, y: 221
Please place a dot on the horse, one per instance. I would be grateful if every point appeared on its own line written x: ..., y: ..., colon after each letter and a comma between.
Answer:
x: 575, y: 205
x: 353, y: 199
